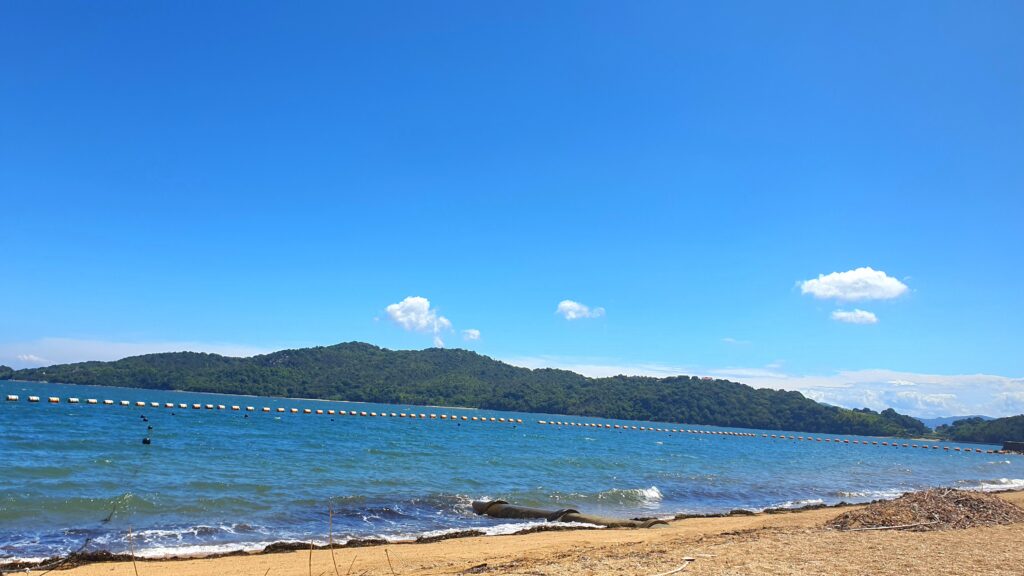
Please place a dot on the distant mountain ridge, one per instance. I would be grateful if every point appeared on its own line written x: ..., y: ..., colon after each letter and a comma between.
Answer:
x: 947, y: 420
x: 452, y: 377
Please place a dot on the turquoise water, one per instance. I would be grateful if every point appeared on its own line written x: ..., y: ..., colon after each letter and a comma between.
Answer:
x: 217, y: 480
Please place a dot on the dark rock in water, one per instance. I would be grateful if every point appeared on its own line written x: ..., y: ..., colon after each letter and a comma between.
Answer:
x: 147, y: 441
x: 149, y: 427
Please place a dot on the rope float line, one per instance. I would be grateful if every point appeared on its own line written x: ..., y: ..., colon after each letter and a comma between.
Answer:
x: 268, y: 409
x: 454, y: 418
x: 767, y: 436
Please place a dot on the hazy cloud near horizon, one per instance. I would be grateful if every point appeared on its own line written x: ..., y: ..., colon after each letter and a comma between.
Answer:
x: 49, y: 351
x: 922, y: 395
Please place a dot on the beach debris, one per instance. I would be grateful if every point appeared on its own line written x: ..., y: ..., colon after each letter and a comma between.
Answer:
x: 936, y: 509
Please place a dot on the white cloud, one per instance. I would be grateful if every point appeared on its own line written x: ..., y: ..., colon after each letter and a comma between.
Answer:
x: 572, y: 310
x: 734, y: 341
x: 859, y: 284
x: 855, y: 316
x: 919, y: 403
x: 471, y: 334
x: 48, y: 351
x: 415, y: 314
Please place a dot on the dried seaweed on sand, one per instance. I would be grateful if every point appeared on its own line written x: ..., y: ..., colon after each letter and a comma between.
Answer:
x: 938, y: 509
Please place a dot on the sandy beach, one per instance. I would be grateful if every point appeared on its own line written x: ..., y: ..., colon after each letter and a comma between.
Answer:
x: 786, y: 543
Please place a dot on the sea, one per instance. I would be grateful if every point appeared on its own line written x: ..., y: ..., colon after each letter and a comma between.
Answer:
x: 78, y: 477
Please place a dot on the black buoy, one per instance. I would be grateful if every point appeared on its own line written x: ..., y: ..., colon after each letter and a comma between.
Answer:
x: 146, y: 440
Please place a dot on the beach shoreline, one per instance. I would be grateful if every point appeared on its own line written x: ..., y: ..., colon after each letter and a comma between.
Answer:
x: 769, y: 542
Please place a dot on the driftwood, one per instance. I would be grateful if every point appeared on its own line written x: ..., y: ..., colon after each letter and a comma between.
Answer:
x: 686, y: 562
x: 900, y: 527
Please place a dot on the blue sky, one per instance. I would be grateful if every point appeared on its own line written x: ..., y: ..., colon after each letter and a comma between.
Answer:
x: 242, y: 177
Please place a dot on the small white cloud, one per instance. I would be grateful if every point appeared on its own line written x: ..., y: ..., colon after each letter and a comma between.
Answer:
x: 30, y: 359
x: 898, y: 382
x: 572, y: 310
x: 416, y: 315
x: 860, y: 284
x: 471, y: 334
x: 734, y: 341
x: 856, y: 316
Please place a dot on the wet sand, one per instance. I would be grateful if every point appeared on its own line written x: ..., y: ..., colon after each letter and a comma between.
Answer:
x: 785, y: 544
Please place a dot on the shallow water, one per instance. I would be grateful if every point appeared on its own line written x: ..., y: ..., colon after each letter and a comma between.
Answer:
x: 213, y: 480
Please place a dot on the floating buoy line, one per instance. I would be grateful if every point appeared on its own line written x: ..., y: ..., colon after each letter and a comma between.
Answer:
x: 560, y: 424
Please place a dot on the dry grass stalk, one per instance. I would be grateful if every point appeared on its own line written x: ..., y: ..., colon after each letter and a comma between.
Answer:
x: 131, y: 548
x: 330, y: 537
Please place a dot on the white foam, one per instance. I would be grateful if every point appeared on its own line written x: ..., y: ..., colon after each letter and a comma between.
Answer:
x: 789, y: 504
x: 872, y: 494
x: 26, y: 559
x: 997, y: 485
x: 495, y: 530
x: 199, y: 550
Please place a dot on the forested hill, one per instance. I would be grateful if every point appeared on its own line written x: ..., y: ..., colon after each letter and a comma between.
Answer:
x: 362, y: 372
x: 994, y: 431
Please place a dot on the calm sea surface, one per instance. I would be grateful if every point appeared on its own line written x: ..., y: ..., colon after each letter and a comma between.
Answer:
x: 212, y: 480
